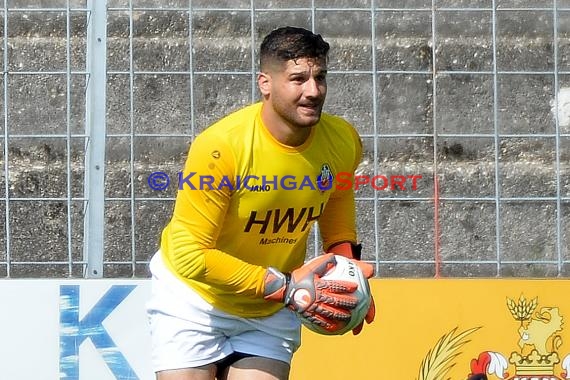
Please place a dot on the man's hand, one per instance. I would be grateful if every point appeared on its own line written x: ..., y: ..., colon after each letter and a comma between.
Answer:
x: 324, y: 302
x: 368, y: 271
x: 353, y: 251
x: 369, y: 318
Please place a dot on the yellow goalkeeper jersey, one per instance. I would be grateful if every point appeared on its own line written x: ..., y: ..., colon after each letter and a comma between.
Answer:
x: 246, y: 202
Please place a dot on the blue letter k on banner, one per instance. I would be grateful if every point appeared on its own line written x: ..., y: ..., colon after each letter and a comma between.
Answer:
x: 74, y: 331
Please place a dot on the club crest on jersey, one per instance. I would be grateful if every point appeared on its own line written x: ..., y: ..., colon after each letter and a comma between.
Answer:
x: 325, y: 178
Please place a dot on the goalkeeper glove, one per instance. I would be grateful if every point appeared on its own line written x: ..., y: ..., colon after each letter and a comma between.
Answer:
x: 326, y: 303
x: 353, y: 251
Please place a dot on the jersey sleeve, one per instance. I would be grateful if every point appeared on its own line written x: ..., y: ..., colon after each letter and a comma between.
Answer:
x: 204, y: 193
x: 338, y: 222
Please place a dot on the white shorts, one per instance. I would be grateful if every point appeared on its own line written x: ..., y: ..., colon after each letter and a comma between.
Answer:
x: 188, y: 332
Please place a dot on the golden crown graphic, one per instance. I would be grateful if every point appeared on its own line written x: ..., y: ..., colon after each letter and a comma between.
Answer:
x: 534, y: 364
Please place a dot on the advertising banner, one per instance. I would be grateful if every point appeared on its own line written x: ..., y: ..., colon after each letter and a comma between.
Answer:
x: 425, y: 329
x: 451, y: 329
x: 65, y: 329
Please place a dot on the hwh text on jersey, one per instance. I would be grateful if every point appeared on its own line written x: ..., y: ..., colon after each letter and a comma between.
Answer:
x: 278, y: 219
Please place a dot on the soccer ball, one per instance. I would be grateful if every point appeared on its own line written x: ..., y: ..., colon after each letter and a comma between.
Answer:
x: 346, y: 270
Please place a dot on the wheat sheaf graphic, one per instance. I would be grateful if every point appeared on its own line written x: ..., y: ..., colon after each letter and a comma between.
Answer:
x: 439, y: 360
x: 523, y: 309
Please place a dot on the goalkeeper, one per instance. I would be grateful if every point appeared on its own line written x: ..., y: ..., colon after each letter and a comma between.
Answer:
x: 231, y: 257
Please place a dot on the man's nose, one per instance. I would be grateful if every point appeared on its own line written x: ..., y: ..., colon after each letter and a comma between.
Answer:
x: 312, y: 89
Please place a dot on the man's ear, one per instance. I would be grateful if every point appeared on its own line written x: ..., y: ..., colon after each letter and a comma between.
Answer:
x: 264, y: 83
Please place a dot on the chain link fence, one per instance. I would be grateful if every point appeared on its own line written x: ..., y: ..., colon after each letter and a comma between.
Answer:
x: 463, y: 107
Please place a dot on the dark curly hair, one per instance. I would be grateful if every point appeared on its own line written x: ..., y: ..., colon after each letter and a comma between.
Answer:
x: 289, y: 42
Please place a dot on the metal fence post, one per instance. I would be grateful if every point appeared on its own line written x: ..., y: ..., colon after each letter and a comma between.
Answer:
x: 95, y: 110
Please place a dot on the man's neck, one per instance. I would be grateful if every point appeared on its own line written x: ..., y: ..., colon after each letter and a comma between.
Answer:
x: 282, y: 131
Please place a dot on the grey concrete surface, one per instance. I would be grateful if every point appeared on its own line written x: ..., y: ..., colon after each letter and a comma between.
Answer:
x: 398, y: 232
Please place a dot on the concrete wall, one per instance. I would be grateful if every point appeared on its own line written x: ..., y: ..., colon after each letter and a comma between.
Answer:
x: 458, y: 115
